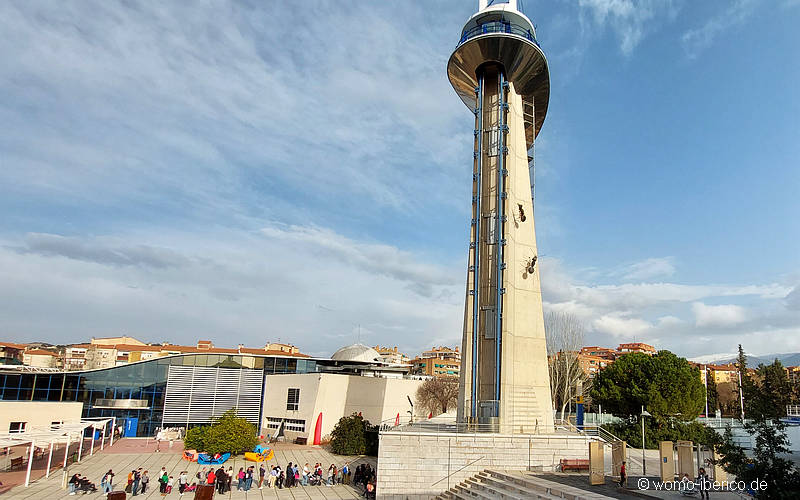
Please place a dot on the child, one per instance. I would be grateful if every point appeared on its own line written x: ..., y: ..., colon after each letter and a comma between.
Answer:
x: 170, y: 484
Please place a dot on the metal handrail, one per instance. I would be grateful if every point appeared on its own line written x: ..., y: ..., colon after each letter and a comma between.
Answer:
x: 498, y: 27
x: 458, y: 470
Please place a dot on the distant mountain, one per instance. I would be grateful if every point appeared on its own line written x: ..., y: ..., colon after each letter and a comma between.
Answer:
x: 786, y: 359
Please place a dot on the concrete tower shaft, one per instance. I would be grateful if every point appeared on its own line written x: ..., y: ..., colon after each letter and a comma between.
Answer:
x: 504, y: 384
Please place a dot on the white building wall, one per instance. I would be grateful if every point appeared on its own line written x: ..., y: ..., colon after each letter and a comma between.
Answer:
x: 336, y: 395
x: 38, y: 414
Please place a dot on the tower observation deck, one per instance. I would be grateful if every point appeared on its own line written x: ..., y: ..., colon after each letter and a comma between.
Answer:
x: 500, y: 72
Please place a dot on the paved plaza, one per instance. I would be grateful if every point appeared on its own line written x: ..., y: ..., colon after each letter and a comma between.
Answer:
x: 130, y: 454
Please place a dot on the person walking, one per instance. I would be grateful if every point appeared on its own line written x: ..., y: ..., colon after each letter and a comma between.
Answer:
x: 137, y: 477
x: 240, y: 479
x: 345, y: 473
x: 163, y: 477
x: 705, y: 483
x: 105, y: 482
x: 164, y: 481
x: 229, y: 478
x: 212, y: 476
x: 145, y: 482
x: 623, y: 474
x: 273, y: 476
x: 262, y: 471
x: 222, y: 480
x: 248, y: 480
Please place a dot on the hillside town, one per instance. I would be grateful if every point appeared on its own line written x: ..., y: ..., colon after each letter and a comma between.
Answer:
x: 436, y: 362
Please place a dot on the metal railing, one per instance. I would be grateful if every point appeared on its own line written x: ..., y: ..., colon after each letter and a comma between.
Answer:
x: 498, y: 27
x: 449, y: 475
x: 429, y: 427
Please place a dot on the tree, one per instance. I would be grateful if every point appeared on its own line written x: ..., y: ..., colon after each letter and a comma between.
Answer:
x: 354, y: 436
x: 564, y: 334
x: 228, y: 433
x: 438, y: 394
x: 711, y: 393
x: 728, y: 398
x: 772, y: 394
x: 782, y: 478
x: 745, y: 384
x: 666, y: 385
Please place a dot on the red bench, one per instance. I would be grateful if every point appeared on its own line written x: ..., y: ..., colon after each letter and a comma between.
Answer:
x: 574, y: 464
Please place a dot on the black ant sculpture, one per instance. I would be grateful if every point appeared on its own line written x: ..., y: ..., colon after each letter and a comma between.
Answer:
x: 531, y: 265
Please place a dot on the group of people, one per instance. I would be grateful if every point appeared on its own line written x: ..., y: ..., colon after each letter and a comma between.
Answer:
x: 138, y: 480
x: 81, y: 483
x: 277, y: 477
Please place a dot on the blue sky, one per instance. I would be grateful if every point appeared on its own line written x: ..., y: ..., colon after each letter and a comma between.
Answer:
x: 247, y: 172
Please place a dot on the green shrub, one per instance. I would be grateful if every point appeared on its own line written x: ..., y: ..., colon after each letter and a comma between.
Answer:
x: 354, y: 436
x: 195, y: 438
x: 228, y: 433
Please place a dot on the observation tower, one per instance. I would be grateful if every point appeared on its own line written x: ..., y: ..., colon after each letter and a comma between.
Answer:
x: 500, y: 72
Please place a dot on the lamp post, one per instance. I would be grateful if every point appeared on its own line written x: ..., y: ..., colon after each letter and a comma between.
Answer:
x: 705, y: 383
x: 644, y: 463
x: 741, y: 396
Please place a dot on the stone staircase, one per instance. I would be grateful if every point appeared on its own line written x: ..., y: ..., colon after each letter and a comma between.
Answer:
x: 515, y: 485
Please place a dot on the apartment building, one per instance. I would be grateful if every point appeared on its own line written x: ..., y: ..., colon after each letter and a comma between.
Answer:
x: 391, y: 355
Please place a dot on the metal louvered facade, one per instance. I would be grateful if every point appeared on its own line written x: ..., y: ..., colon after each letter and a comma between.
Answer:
x: 196, y: 395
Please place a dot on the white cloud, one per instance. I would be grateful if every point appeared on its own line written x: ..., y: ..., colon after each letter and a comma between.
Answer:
x: 673, y: 316
x: 650, y: 268
x: 716, y: 316
x: 298, y: 285
x: 618, y: 325
x: 630, y: 20
x: 669, y: 321
x: 698, y: 39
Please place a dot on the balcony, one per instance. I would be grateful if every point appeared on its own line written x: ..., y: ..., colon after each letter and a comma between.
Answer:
x: 498, y: 27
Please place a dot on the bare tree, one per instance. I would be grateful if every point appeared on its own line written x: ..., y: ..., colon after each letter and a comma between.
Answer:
x: 564, y: 333
x: 438, y: 394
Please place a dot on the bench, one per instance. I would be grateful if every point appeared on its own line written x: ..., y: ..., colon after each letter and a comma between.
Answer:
x: 574, y: 464
x: 17, y: 462
x: 300, y: 440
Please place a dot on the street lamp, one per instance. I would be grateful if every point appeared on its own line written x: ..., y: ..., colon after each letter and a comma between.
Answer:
x: 645, y: 413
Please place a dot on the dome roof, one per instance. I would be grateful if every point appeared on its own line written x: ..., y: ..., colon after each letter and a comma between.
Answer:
x: 357, y: 352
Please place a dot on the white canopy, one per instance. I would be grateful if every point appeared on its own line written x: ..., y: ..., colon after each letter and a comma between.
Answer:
x: 55, y: 434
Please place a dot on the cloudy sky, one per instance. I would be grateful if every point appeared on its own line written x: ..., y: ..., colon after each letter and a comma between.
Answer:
x: 300, y: 171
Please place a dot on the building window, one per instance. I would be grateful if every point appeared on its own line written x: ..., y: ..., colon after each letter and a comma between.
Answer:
x: 289, y: 424
x: 17, y: 427
x: 293, y: 399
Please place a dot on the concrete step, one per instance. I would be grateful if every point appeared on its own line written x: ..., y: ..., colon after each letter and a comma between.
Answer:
x: 530, y: 491
x: 469, y: 492
x: 550, y: 488
x: 497, y: 490
x: 514, y: 485
x: 463, y: 491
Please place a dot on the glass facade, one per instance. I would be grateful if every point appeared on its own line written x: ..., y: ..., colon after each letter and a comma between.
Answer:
x: 144, y: 380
